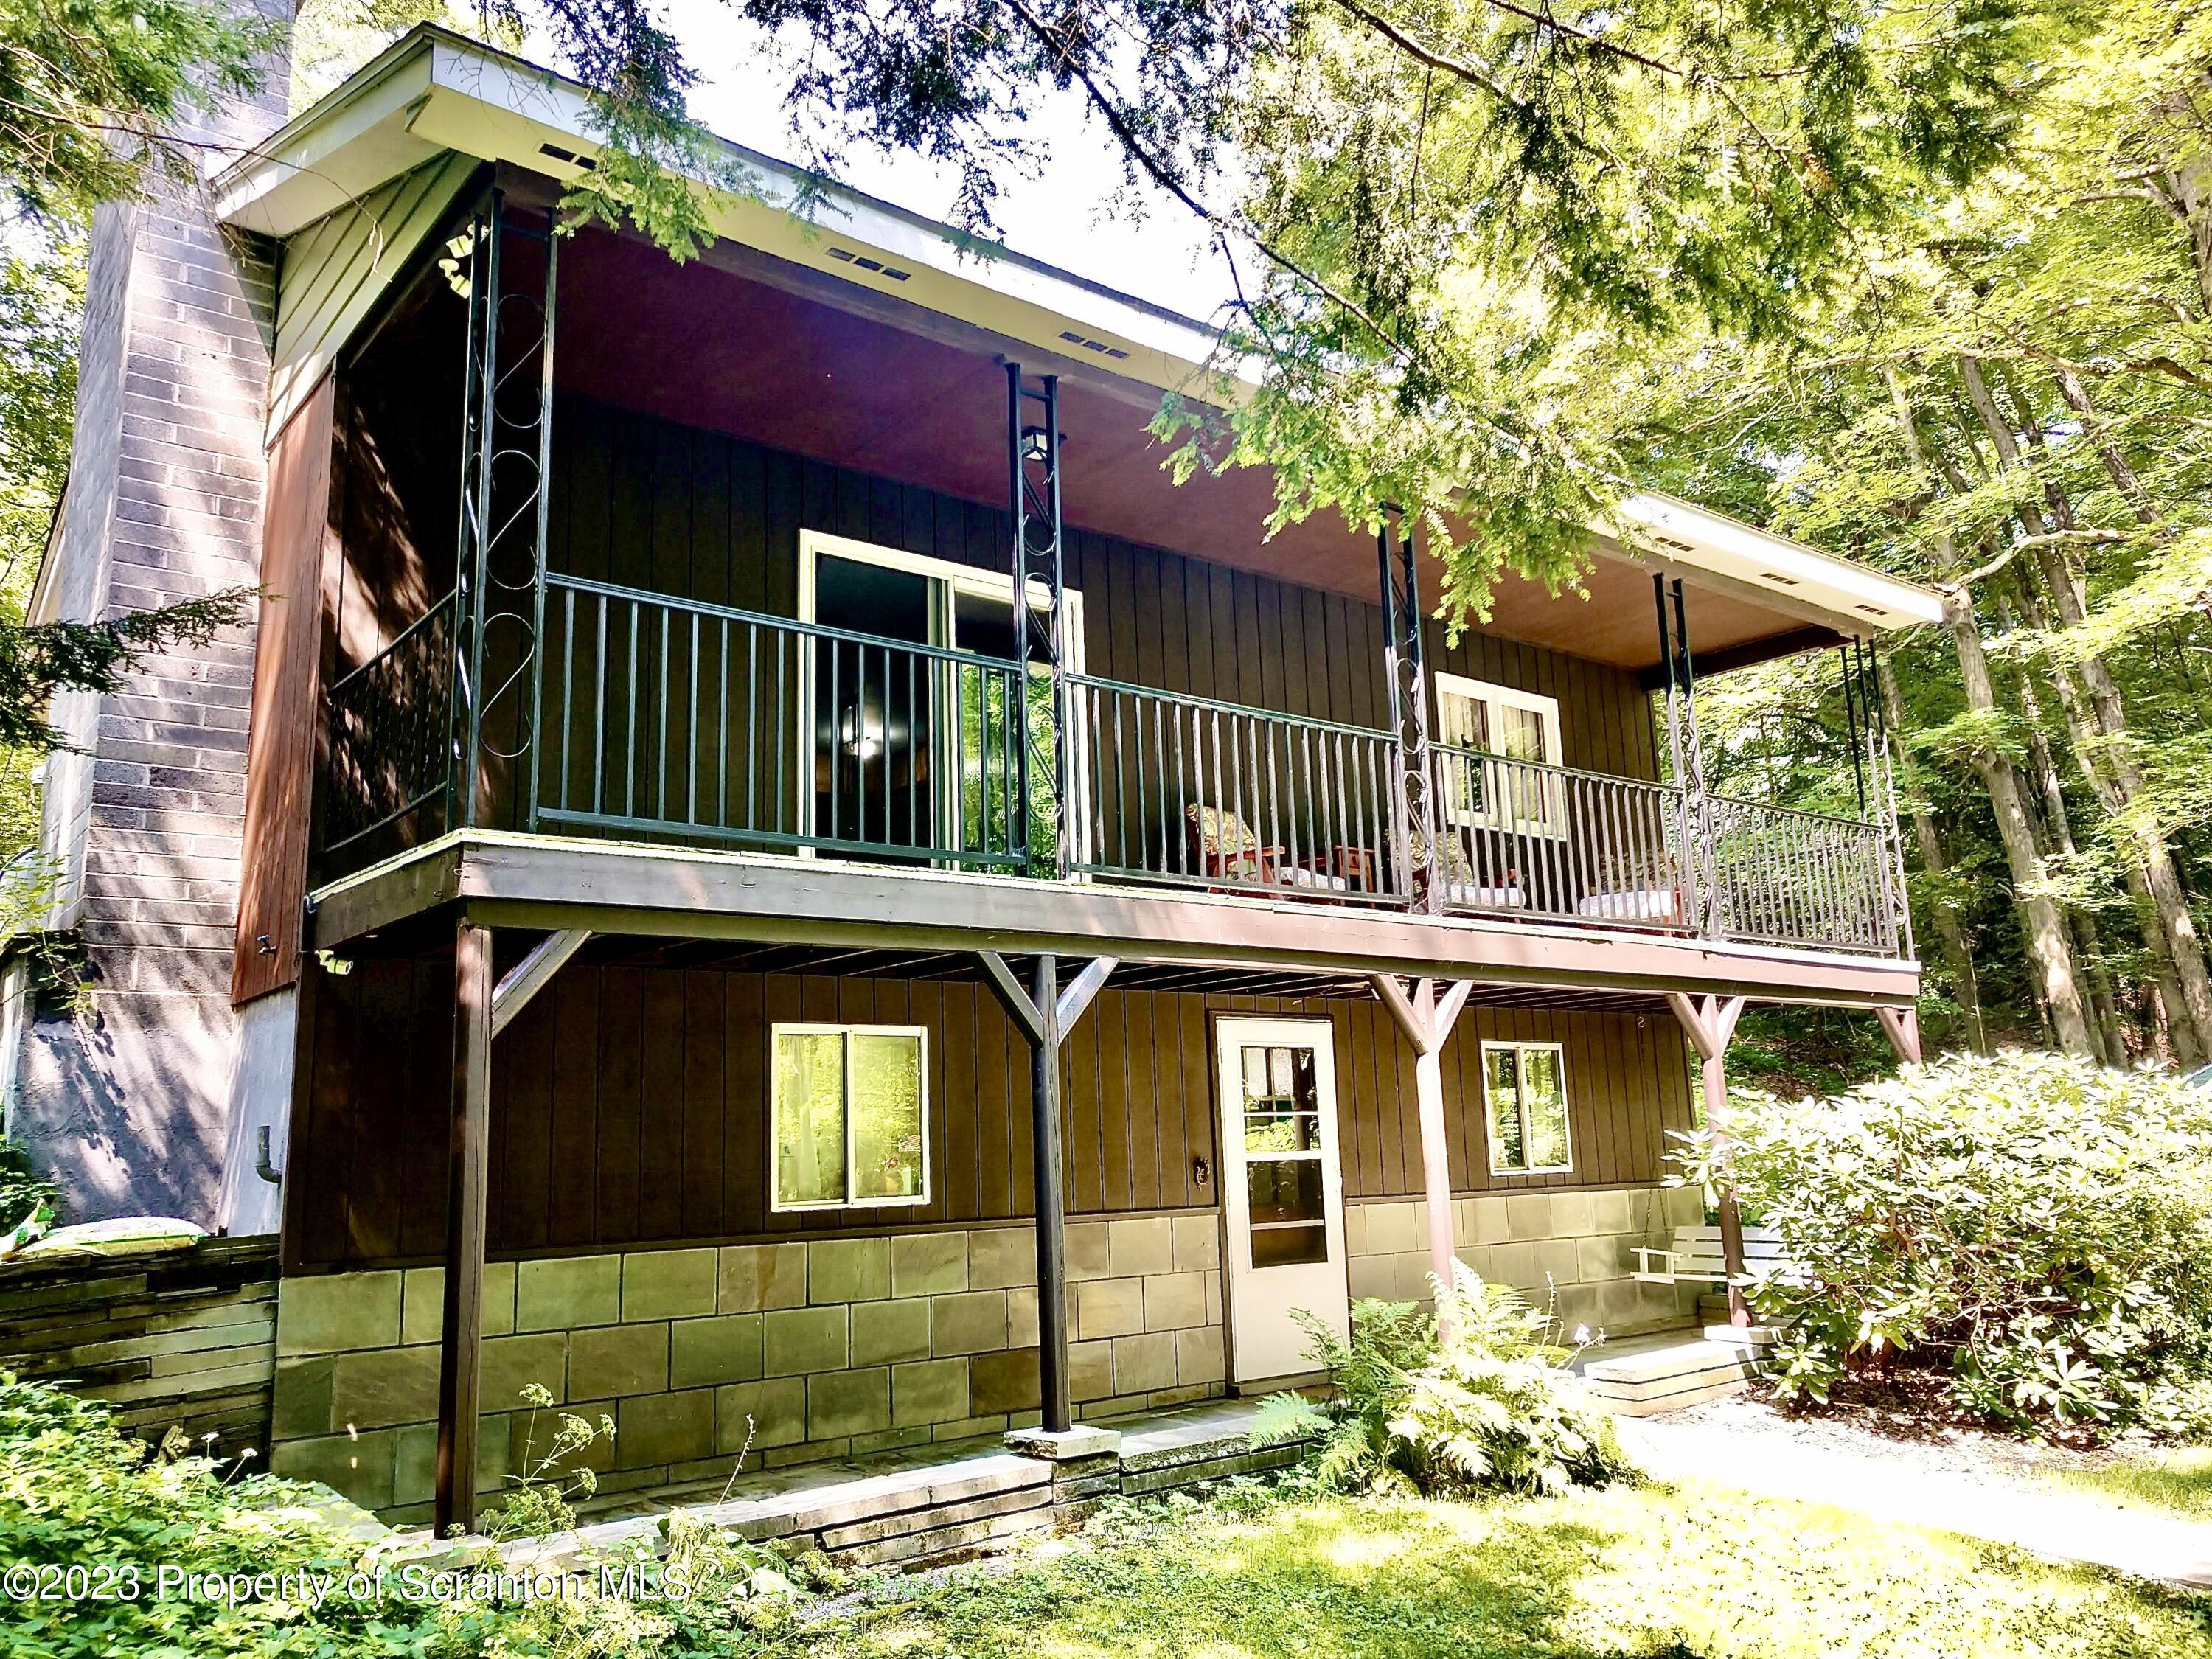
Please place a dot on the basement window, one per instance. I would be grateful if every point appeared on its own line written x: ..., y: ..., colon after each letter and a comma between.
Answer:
x: 1524, y: 1096
x: 848, y: 1117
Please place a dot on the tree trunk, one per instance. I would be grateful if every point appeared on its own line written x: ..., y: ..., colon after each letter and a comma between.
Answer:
x: 2083, y: 740
x: 2117, y: 467
x: 2183, y: 948
x: 2058, y: 837
x: 1950, y: 932
x: 2049, y: 952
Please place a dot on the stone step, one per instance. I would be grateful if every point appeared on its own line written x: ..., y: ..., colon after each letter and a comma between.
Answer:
x: 1666, y: 1378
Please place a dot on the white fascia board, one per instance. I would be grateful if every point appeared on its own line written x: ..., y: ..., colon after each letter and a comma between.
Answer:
x: 354, y: 139
x: 1862, y: 599
x: 434, y: 90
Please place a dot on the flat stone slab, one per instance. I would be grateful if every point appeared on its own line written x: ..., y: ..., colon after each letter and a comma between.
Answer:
x: 1065, y: 1445
x: 1658, y: 1365
x: 808, y: 1509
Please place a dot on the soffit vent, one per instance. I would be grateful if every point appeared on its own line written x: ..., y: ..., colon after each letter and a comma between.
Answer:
x: 846, y: 255
x: 1090, y: 344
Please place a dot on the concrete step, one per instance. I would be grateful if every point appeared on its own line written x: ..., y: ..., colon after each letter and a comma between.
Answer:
x: 1664, y: 1379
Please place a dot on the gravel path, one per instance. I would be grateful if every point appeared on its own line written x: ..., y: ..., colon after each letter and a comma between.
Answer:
x: 1958, y: 1480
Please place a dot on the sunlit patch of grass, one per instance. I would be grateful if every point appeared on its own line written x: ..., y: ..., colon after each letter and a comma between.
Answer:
x: 1620, y: 1574
x: 2175, y: 1479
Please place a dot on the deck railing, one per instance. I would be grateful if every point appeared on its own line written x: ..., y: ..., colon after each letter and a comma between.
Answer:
x: 390, y: 732
x: 1517, y: 836
x: 670, y: 718
x: 1184, y: 790
x: 1786, y: 878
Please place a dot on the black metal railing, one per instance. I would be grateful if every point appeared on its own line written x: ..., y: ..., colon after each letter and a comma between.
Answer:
x: 1517, y: 836
x: 670, y: 717
x: 390, y: 732
x: 1787, y: 878
x: 1181, y: 789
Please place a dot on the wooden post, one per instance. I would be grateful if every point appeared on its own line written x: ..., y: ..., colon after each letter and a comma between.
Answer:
x: 1045, y: 1012
x: 1427, y: 1023
x: 1051, y: 1202
x: 461, y: 1338
x: 1711, y: 1022
x: 1902, y: 1027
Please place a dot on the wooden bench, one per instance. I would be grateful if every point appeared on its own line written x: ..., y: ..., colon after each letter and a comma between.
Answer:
x: 1695, y: 1256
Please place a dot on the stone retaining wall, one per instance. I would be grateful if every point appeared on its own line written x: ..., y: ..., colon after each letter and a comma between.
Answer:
x: 1572, y: 1251
x: 184, y: 1341
x: 805, y: 1350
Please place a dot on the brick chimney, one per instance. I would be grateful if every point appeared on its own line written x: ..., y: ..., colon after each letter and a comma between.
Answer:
x: 129, y: 1104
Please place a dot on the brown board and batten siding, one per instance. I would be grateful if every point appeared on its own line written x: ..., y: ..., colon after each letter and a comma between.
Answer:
x: 654, y: 506
x: 630, y: 1107
x: 281, y: 745
x: 645, y: 503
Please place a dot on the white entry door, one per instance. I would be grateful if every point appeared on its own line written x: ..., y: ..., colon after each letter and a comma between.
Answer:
x: 1282, y: 1188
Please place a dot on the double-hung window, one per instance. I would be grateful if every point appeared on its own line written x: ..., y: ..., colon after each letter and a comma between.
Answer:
x: 1502, y: 736
x: 1524, y: 1093
x: 848, y: 1116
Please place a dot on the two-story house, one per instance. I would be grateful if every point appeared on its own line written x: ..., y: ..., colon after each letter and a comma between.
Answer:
x: 796, y: 890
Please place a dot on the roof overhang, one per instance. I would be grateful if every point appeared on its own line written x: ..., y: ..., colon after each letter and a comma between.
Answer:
x: 432, y: 91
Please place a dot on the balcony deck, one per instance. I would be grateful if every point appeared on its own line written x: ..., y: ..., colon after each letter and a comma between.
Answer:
x: 670, y: 725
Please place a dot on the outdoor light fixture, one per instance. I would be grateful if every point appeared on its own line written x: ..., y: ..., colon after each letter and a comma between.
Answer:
x: 1033, y: 447
x: 860, y: 732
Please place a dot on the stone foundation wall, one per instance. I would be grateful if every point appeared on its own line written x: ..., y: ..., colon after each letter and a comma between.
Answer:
x: 1572, y: 1251
x: 830, y: 1347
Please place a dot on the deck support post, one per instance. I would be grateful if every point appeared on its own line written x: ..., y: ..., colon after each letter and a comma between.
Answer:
x: 1902, y: 1027
x: 1427, y: 1020
x: 1052, y: 1387
x: 461, y: 1335
x: 1044, y: 1013
x: 1710, y: 1022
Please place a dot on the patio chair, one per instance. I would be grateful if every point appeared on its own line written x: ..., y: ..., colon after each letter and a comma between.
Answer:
x: 1224, y: 848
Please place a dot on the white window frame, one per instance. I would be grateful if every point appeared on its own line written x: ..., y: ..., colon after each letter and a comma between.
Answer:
x: 777, y: 1032
x: 1521, y: 1108
x: 957, y: 578
x: 1495, y: 697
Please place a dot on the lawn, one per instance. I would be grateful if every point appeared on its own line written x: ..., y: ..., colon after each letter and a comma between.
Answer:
x: 1594, y: 1575
x: 2177, y: 1480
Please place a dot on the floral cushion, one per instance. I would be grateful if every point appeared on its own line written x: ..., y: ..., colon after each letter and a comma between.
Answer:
x: 1222, y: 835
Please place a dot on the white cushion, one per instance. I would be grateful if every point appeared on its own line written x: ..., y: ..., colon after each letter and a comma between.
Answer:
x: 1637, y: 904
x: 1493, y: 898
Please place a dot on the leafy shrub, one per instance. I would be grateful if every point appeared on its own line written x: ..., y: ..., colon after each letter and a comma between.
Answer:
x: 1486, y: 1406
x: 75, y: 1492
x: 22, y: 1188
x: 2032, y: 1231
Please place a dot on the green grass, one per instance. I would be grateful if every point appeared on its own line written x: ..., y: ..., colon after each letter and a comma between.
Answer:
x: 2177, y: 1480
x: 1650, y: 1573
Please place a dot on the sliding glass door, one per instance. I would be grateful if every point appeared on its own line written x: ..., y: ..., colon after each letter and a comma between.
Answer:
x: 921, y: 751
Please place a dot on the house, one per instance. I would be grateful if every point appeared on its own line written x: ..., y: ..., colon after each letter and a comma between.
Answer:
x: 705, y: 946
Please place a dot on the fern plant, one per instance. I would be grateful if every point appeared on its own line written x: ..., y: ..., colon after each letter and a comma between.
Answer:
x: 1484, y: 1406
